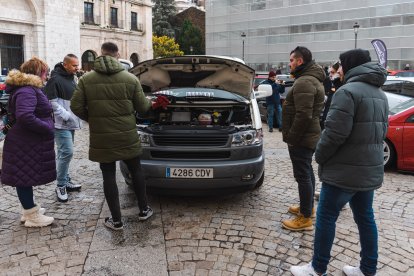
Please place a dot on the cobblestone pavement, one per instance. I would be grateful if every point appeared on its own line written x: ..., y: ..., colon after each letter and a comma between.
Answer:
x: 237, y: 234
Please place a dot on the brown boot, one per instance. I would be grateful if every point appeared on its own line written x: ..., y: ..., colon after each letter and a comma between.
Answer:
x: 299, y: 223
x: 295, y: 209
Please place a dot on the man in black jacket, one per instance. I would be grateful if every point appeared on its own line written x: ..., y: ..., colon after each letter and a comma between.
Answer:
x: 59, y: 89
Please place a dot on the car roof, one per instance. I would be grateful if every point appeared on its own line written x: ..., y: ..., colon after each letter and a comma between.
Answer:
x: 396, y: 99
x: 398, y: 78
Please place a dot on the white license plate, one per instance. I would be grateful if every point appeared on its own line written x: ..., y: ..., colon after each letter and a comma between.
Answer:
x: 189, y: 173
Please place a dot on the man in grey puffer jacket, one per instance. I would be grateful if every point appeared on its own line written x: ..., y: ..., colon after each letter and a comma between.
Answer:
x: 350, y: 158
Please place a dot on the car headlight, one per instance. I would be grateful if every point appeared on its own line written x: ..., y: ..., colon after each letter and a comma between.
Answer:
x: 246, y: 138
x: 144, y: 138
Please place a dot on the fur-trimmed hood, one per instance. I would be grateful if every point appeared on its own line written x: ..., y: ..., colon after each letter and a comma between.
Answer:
x: 17, y: 78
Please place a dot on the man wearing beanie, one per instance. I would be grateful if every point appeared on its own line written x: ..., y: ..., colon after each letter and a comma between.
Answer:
x: 301, y: 130
x: 350, y: 157
x: 273, y: 101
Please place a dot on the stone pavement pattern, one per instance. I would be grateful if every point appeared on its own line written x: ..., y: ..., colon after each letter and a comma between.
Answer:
x: 237, y: 234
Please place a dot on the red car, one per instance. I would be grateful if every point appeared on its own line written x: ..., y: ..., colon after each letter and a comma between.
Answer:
x: 401, y: 73
x: 399, y: 143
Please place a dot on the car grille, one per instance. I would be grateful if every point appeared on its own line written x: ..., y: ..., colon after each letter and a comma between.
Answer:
x: 191, y: 140
x: 190, y: 155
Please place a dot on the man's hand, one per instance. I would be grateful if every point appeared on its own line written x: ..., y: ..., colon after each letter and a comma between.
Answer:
x: 160, y: 101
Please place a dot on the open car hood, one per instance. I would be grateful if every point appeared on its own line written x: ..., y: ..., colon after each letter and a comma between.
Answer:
x: 215, y: 72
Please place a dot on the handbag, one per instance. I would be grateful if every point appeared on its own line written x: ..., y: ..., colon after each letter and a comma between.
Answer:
x: 7, y: 120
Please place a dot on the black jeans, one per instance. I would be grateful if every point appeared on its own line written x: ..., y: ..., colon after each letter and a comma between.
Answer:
x: 25, y: 195
x: 301, y: 158
x: 111, y: 189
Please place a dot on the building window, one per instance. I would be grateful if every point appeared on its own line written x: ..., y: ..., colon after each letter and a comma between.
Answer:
x: 134, y: 21
x: 88, y: 11
x: 114, y: 17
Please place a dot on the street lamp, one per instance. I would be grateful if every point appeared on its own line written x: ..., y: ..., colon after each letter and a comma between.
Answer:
x: 243, y: 35
x: 191, y: 50
x: 356, y: 27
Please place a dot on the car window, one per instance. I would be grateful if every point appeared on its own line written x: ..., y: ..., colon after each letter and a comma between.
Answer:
x: 410, y: 119
x: 401, y: 107
x: 408, y: 88
x: 405, y: 74
x: 392, y: 87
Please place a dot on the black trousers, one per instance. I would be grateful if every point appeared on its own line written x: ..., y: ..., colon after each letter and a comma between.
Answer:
x: 303, y: 172
x: 111, y: 188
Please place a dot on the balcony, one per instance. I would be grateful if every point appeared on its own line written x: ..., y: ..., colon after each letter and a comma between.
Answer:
x: 87, y: 20
x: 138, y: 28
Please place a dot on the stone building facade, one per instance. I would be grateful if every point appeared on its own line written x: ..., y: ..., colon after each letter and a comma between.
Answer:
x: 52, y: 28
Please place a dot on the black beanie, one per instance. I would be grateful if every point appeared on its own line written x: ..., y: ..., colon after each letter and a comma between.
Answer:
x: 353, y: 58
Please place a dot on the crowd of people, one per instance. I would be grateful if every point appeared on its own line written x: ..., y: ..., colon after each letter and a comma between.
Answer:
x: 349, y: 150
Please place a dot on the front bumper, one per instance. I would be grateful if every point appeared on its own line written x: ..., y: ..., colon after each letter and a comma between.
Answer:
x: 227, y: 174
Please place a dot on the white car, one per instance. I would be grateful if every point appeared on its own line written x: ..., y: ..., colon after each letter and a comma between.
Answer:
x: 210, y: 135
x: 395, y: 99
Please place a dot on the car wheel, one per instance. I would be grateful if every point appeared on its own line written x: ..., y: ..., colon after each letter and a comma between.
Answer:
x: 260, y: 181
x: 125, y: 173
x: 389, y: 154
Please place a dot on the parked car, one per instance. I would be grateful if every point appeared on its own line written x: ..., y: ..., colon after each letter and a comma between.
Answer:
x: 401, y: 73
x: 396, y: 99
x: 399, y: 143
x: 4, y: 97
x: 259, y: 78
x: 2, y: 84
x: 126, y: 63
x: 210, y: 135
x: 399, y: 85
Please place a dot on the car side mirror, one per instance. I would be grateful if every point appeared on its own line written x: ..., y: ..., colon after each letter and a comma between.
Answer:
x: 263, y: 90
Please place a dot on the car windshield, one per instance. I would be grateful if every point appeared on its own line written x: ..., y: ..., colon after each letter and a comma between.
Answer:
x: 401, y: 107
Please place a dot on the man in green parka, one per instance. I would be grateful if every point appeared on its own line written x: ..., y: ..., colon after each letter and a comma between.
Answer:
x: 107, y: 98
x: 301, y: 130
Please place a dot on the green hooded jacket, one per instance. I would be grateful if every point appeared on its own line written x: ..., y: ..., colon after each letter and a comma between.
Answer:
x: 303, y: 106
x: 350, y: 152
x: 108, y: 98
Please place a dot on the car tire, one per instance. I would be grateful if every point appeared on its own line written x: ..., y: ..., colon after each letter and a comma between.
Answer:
x: 260, y: 181
x: 389, y: 154
x: 125, y: 173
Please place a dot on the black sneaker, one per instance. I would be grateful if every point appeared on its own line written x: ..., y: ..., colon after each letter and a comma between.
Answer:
x: 113, y: 225
x: 145, y: 214
x: 70, y: 186
x: 270, y: 129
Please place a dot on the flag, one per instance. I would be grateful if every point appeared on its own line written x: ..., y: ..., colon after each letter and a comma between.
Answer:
x: 381, y: 51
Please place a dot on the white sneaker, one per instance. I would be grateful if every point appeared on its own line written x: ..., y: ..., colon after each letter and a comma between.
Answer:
x: 304, y: 270
x: 61, y: 193
x: 35, y: 219
x: 352, y: 271
x: 23, y: 218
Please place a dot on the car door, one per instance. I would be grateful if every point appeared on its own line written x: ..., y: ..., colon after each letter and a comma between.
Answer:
x: 408, y: 143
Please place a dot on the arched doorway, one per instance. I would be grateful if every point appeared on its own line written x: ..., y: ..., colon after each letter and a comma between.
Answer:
x: 134, y: 59
x: 88, y: 58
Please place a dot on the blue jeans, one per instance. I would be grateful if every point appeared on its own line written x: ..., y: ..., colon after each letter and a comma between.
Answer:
x: 301, y: 158
x: 271, y: 113
x: 64, y: 144
x: 331, y: 202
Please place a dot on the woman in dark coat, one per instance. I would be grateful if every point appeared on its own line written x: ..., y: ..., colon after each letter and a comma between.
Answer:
x: 28, y: 153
